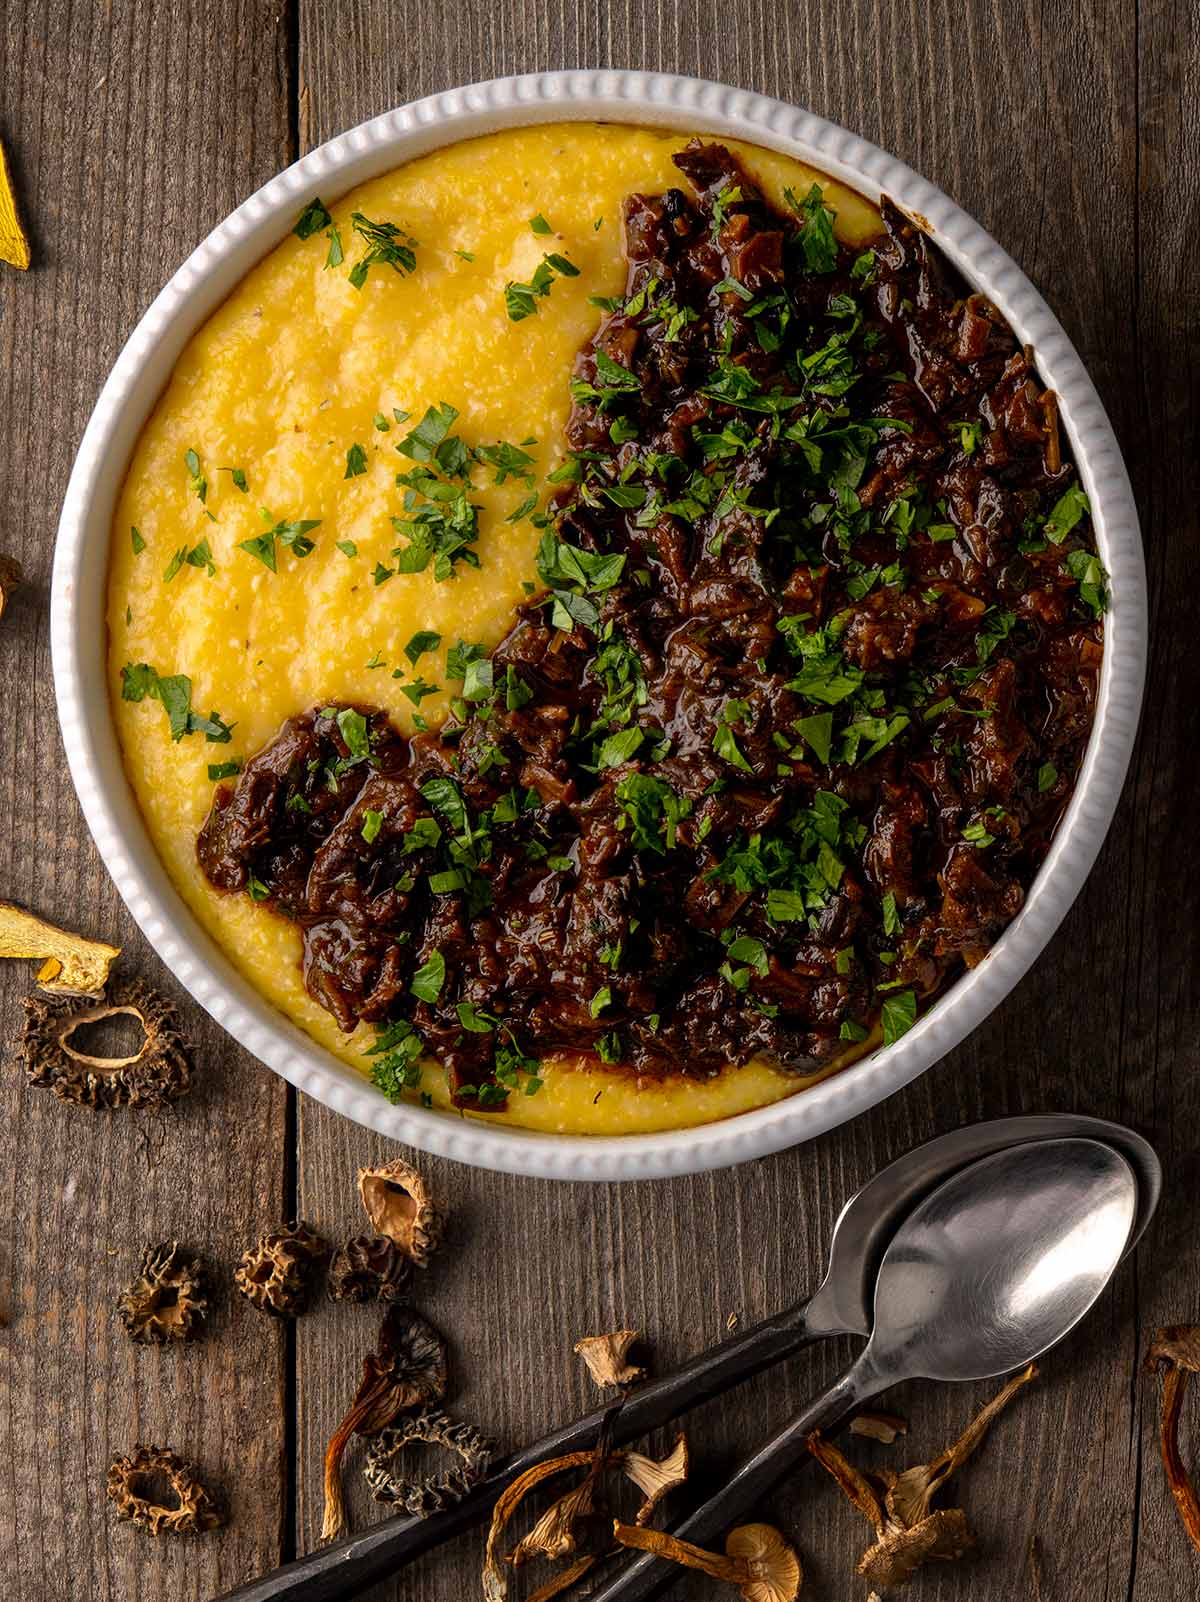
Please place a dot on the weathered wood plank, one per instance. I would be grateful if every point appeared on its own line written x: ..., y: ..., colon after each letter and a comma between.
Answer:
x: 1028, y: 118
x: 132, y: 130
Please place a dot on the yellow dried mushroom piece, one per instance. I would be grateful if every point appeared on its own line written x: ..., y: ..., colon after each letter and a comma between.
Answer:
x: 275, y: 1274
x: 607, y: 1356
x: 158, y: 1072
x: 400, y: 1205
x: 757, y: 1559
x: 14, y: 247
x: 168, y: 1301
x: 71, y: 965
x: 195, y: 1507
x: 909, y: 1531
x: 11, y: 579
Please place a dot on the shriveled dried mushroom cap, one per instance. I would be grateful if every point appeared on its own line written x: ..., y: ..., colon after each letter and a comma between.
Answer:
x: 775, y: 1571
x: 606, y: 1357
x: 71, y: 964
x: 368, y: 1268
x: 428, y: 1493
x: 276, y: 1273
x: 900, y: 1552
x: 655, y: 1477
x: 399, y: 1204
x: 168, y: 1301
x: 195, y: 1508
x: 157, y: 1073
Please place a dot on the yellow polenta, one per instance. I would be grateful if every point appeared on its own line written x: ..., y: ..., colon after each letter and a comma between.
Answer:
x: 280, y: 383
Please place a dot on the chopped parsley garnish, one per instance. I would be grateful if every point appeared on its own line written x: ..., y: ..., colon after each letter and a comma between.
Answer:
x: 388, y: 245
x: 356, y: 461
x: 899, y: 1015
x: 198, y: 556
x: 197, y: 482
x: 292, y: 535
x: 429, y: 978
x: 223, y: 770
x: 422, y: 641
x: 540, y: 225
x: 136, y: 540
x: 312, y: 219
x: 521, y: 300
x: 817, y: 241
x: 1071, y: 505
x: 175, y: 693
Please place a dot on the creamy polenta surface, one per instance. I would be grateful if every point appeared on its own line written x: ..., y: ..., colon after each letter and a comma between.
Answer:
x: 282, y: 412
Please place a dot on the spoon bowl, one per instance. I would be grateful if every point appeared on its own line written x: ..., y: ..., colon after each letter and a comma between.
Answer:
x: 1001, y: 1261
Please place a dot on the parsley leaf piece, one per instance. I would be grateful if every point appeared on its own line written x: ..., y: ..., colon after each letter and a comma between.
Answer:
x: 602, y: 999
x: 372, y: 823
x: 312, y: 219
x: 335, y: 256
x: 136, y: 540
x: 476, y: 1023
x: 223, y: 770
x: 539, y: 225
x: 1047, y: 777
x: 387, y: 245
x: 1065, y: 514
x: 619, y: 747
x: 429, y: 978
x: 356, y: 461
x: 422, y: 641
x: 354, y: 731
x: 817, y: 732
x: 891, y: 917
x: 817, y: 242
x: 197, y: 482
x: 899, y: 1015
x: 347, y: 547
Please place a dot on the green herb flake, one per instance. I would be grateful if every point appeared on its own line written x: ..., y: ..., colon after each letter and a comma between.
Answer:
x: 371, y: 825
x: 356, y: 461
x: 899, y: 1015
x: 136, y: 540
x: 429, y: 978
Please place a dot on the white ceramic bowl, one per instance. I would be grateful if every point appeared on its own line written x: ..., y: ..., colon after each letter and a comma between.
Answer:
x: 78, y: 627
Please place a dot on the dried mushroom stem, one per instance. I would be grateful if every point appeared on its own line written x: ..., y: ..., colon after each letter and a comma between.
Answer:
x: 1176, y: 1351
x: 908, y: 1531
x: 400, y: 1205
x: 407, y: 1371
x: 606, y: 1357
x: 11, y: 578
x: 71, y: 964
x: 756, y: 1559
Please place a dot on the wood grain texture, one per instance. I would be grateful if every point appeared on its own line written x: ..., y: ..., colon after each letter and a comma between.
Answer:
x: 132, y: 131
x: 1070, y: 132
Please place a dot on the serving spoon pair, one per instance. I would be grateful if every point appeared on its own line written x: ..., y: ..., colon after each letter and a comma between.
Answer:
x: 963, y: 1259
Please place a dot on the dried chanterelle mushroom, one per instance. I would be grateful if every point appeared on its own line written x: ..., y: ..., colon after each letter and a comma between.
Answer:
x: 368, y: 1268
x: 195, y: 1509
x: 158, y: 1072
x: 407, y: 1372
x: 607, y: 1356
x: 11, y: 578
x: 71, y: 965
x: 432, y: 1492
x: 275, y: 1274
x: 555, y: 1533
x: 908, y: 1530
x: 14, y: 247
x: 1176, y: 1351
x: 168, y: 1301
x: 757, y: 1559
x: 399, y: 1204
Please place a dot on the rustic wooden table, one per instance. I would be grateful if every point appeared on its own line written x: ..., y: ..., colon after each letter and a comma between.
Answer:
x: 1071, y: 132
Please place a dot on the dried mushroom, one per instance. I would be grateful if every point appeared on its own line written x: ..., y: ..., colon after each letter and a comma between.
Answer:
x: 555, y: 1535
x: 908, y: 1530
x: 159, y: 1072
x: 71, y: 965
x: 406, y: 1372
x: 368, y: 1268
x: 606, y: 1357
x: 882, y: 1427
x: 757, y: 1559
x: 1176, y: 1352
x: 399, y: 1204
x: 276, y: 1273
x: 11, y: 578
x: 168, y: 1301
x: 432, y: 1492
x: 195, y: 1508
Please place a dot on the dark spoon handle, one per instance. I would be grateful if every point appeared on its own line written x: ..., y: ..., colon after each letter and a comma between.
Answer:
x: 649, y: 1576
x: 334, y: 1573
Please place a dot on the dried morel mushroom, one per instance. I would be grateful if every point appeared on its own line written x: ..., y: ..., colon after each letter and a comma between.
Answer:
x: 368, y: 1268
x: 11, y: 578
x: 400, y: 1206
x: 159, y: 1072
x: 168, y: 1301
x: 1176, y: 1351
x: 757, y: 1559
x: 71, y: 965
x: 606, y: 1357
x: 908, y: 1530
x: 276, y: 1273
x: 431, y: 1492
x: 195, y: 1509
x: 555, y: 1533
x: 406, y: 1372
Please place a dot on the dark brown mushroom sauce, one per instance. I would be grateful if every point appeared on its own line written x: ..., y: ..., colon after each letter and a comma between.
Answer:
x: 781, y: 744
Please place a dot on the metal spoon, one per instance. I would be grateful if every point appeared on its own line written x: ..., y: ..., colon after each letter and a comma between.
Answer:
x: 993, y: 1268
x: 841, y: 1305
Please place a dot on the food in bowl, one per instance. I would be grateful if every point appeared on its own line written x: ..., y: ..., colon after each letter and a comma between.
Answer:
x: 639, y: 733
